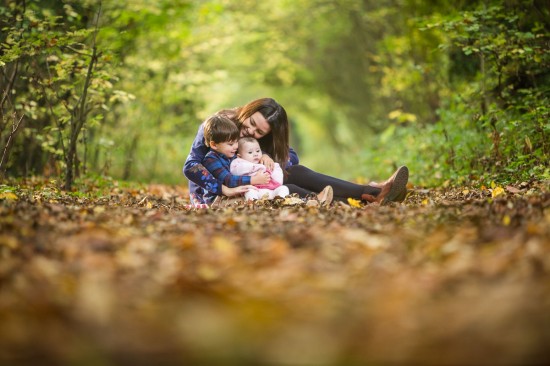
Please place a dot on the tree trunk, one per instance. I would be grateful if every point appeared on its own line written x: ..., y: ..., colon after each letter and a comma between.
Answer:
x: 17, y: 124
x: 129, y: 161
x: 79, y: 114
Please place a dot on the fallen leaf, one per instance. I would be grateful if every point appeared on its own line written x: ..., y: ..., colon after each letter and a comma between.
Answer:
x: 291, y: 201
x: 497, y: 191
x: 354, y: 203
x: 512, y: 189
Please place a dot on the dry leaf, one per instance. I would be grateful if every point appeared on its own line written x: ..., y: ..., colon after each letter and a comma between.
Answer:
x: 354, y: 203
x: 497, y: 191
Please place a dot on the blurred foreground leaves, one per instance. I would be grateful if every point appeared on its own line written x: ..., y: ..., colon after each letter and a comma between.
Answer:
x: 452, y: 276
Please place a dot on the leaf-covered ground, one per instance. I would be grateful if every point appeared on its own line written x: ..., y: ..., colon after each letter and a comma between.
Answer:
x: 454, y: 276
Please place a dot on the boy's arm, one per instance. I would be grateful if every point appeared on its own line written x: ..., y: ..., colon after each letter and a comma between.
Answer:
x: 222, y: 173
x: 193, y: 168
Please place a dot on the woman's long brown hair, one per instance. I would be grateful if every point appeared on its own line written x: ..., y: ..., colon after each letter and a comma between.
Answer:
x: 276, y: 143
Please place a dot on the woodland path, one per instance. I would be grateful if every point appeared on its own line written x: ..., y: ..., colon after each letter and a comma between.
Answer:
x: 451, y: 276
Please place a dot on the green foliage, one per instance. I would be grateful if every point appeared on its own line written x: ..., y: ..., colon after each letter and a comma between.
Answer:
x: 458, y: 91
x: 507, y: 94
x: 56, y: 83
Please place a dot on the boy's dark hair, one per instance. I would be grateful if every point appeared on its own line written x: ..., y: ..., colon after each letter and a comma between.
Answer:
x: 219, y: 128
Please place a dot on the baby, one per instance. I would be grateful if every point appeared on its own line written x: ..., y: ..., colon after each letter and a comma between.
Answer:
x: 248, y: 163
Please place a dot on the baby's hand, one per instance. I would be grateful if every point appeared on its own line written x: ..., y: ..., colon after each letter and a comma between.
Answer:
x: 260, y: 178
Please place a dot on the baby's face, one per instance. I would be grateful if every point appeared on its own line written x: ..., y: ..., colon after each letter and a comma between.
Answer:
x: 250, y: 151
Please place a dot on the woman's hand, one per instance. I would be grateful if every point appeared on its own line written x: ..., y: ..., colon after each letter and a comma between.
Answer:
x: 260, y: 178
x: 268, y: 162
x: 236, y: 191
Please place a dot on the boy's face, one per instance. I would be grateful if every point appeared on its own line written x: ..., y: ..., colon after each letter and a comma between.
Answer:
x: 228, y: 148
x: 251, y: 151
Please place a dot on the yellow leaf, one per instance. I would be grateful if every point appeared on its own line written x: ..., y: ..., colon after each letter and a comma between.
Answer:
x: 506, y: 220
x: 465, y: 192
x: 395, y: 114
x: 149, y: 205
x: 411, y: 117
x: 497, y: 192
x: 354, y: 203
x: 425, y: 201
x: 493, y: 185
x: 8, y: 196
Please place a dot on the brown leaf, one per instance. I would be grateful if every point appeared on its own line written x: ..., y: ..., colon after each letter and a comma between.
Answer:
x: 512, y: 189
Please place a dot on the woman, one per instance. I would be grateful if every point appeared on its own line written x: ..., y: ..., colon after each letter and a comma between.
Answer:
x: 266, y: 120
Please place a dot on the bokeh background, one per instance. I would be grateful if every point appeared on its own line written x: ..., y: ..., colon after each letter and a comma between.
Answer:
x: 456, y: 90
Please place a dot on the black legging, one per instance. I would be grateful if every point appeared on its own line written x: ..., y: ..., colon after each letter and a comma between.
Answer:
x: 304, y: 181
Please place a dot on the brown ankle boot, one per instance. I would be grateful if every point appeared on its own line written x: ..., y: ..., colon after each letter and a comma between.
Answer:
x: 369, y: 198
x: 395, y: 188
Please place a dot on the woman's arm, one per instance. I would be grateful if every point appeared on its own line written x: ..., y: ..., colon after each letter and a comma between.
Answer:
x: 292, y: 158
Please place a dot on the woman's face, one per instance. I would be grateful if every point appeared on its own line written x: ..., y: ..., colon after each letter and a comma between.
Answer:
x: 255, y: 126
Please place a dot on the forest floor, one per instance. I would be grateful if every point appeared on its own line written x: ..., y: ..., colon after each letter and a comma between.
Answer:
x: 452, y: 276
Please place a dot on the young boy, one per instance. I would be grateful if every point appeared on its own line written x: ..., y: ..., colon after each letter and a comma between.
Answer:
x: 221, y: 135
x: 248, y: 163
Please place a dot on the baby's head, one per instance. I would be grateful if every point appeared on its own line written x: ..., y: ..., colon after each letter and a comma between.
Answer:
x: 249, y: 149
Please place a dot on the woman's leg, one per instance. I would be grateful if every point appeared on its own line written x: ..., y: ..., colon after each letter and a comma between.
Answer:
x: 307, y: 179
x: 301, y: 192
